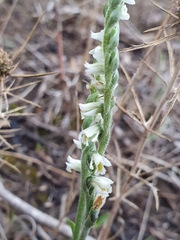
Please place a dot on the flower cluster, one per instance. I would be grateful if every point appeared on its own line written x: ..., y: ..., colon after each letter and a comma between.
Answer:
x: 96, y: 112
x: 92, y: 111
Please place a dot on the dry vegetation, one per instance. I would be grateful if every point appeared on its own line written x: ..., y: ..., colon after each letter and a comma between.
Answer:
x: 145, y: 144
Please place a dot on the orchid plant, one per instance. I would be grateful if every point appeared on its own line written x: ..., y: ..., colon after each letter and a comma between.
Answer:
x: 96, y: 114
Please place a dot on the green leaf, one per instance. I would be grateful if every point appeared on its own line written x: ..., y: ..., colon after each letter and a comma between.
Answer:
x: 71, y: 224
x: 101, y: 220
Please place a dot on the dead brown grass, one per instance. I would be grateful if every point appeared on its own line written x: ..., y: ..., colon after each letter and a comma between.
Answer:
x: 144, y: 148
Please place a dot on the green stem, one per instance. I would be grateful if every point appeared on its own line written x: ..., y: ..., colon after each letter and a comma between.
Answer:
x: 80, y: 230
x: 80, y: 215
x: 84, y: 233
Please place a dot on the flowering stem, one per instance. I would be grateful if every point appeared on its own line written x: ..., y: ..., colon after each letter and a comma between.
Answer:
x: 97, y: 119
x: 82, y: 200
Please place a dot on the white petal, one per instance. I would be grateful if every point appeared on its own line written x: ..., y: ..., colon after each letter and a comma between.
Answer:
x: 73, y: 164
x: 98, y: 162
x: 97, y: 53
x: 98, y: 36
x: 94, y: 68
x: 90, y: 109
x: 124, y: 14
x: 78, y: 143
x: 91, y: 113
x: 89, y: 134
x: 102, y: 185
x: 89, y: 106
x: 106, y: 162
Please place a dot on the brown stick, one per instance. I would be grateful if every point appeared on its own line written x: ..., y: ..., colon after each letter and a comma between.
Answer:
x: 38, y: 216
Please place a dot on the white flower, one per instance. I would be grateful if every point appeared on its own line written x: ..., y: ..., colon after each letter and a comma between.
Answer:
x: 124, y: 14
x: 89, y: 134
x: 94, y: 68
x: 99, y: 84
x: 97, y: 53
x: 131, y: 2
x: 98, y: 36
x: 102, y: 185
x: 78, y: 143
x: 98, y: 162
x: 99, y: 202
x: 90, y: 109
x: 73, y: 164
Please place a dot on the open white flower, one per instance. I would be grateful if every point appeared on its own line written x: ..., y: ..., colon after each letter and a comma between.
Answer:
x: 124, y: 14
x: 98, y: 162
x: 78, y: 143
x: 89, y: 134
x: 73, y: 164
x: 94, y: 68
x: 90, y: 109
x: 97, y: 53
x: 98, y: 36
x: 102, y: 185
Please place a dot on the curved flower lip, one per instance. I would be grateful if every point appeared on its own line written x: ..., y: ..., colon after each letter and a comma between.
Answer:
x: 73, y: 164
x: 102, y: 185
x: 124, y: 14
x: 94, y: 68
x: 92, y: 113
x: 89, y: 134
x: 89, y: 106
x: 98, y: 162
x: 131, y: 2
x: 98, y: 36
x: 97, y: 53
x: 90, y: 109
x: 78, y: 143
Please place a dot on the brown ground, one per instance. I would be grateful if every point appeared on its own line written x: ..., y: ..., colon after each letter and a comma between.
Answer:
x: 47, y: 136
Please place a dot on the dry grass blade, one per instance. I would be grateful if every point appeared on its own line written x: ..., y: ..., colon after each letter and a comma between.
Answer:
x: 23, y: 100
x: 22, y: 86
x: 166, y: 11
x: 172, y: 102
x: 135, y: 117
x: 32, y: 75
x: 138, y: 105
x: 163, y: 27
x: 16, y: 54
x: 3, y: 27
x: 154, y: 71
x: 171, y: 56
x: 142, y: 181
x: 146, y: 216
x: 38, y: 162
x: 4, y: 162
x: 9, y: 130
x: 5, y: 142
x: 150, y: 44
